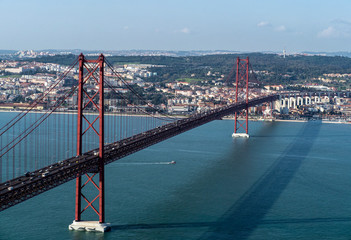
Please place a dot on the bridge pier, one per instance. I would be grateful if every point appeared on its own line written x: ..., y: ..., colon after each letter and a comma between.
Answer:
x: 89, y: 226
x: 240, y: 135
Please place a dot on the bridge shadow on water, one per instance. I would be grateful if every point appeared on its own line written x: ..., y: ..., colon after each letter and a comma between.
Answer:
x: 218, y: 224
x: 248, y: 212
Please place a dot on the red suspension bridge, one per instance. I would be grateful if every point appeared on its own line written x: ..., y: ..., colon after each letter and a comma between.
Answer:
x: 71, y: 131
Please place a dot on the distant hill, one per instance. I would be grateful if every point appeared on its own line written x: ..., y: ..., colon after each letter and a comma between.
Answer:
x: 7, y: 52
x: 292, y: 68
x: 341, y: 54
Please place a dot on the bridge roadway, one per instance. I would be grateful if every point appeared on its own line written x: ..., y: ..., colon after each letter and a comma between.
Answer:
x: 31, y: 184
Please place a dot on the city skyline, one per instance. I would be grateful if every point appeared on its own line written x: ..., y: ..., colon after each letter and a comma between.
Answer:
x: 254, y: 25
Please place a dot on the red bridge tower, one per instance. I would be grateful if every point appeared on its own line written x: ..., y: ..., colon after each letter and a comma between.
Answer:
x: 241, y: 125
x: 91, y: 71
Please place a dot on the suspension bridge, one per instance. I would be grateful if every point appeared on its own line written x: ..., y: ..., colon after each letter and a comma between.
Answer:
x: 74, y: 128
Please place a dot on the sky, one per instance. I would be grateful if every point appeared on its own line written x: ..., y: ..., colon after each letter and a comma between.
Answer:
x: 246, y: 25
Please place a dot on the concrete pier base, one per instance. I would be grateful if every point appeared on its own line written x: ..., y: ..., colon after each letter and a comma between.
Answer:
x: 90, y: 226
x: 240, y: 135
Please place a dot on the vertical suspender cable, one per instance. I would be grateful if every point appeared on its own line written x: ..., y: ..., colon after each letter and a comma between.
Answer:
x: 1, y: 173
x: 13, y: 156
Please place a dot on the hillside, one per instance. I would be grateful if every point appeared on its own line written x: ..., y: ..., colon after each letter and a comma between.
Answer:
x: 291, y: 69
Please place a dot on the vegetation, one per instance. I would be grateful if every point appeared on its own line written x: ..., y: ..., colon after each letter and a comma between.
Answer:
x: 58, y: 59
x: 11, y: 75
x: 149, y: 95
x: 279, y: 70
x: 191, y: 80
x: 18, y: 99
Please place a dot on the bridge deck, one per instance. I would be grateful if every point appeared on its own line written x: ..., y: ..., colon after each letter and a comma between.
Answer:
x: 22, y: 188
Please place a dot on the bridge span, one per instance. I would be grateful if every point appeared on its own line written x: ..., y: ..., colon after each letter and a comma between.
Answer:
x: 33, y: 183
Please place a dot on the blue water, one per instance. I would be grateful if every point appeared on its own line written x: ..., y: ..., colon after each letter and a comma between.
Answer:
x: 287, y: 181
x: 55, y: 140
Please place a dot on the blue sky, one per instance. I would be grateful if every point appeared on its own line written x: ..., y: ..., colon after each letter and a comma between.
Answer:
x: 246, y: 25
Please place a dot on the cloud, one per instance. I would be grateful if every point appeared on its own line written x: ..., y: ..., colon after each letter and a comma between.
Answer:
x: 280, y: 28
x: 328, y: 33
x: 125, y: 27
x: 263, y: 24
x: 337, y: 28
x: 185, y: 30
x: 341, y: 22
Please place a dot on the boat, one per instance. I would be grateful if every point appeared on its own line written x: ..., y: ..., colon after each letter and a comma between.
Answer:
x: 172, y: 162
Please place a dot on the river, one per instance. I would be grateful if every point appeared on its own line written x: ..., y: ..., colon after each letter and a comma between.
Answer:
x: 287, y: 181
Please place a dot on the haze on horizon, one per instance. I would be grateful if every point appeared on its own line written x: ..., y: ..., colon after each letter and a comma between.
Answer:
x: 253, y: 25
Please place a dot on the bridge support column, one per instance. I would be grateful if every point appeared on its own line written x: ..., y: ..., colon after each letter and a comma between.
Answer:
x: 292, y: 101
x: 299, y: 101
x: 241, y: 122
x: 93, y: 71
x: 268, y: 112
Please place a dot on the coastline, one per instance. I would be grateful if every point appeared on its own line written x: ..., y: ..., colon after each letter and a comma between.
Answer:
x: 261, y: 120
x: 288, y: 120
x: 176, y: 117
x: 106, y: 114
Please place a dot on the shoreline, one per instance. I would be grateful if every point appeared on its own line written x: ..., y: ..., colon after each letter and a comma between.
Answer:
x: 289, y: 120
x: 177, y: 117
x: 106, y: 114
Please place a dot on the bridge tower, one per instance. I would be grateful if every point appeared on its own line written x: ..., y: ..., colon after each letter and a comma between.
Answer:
x: 241, y: 122
x: 91, y: 71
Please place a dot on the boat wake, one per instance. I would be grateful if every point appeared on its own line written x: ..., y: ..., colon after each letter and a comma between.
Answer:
x: 147, y: 163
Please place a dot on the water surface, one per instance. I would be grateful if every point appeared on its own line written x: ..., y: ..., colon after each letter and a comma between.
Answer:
x: 287, y: 181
